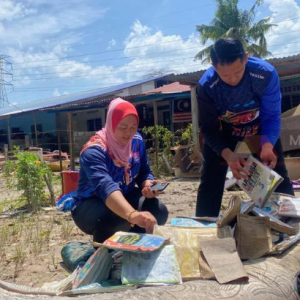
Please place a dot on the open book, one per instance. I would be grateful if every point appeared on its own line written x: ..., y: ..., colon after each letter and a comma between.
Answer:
x: 261, y: 182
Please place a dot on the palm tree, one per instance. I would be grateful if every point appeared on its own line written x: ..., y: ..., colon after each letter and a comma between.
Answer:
x: 230, y: 21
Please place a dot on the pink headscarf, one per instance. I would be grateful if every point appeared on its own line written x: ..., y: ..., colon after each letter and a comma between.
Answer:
x: 105, y: 138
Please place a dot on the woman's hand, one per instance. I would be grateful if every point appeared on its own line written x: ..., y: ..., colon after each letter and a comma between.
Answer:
x: 146, y: 191
x: 143, y: 219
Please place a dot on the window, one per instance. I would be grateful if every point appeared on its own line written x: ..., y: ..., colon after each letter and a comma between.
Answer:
x: 94, y: 124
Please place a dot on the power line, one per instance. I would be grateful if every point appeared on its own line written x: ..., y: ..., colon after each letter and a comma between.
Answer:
x: 127, y: 57
x: 167, y: 27
x: 112, y: 73
x: 103, y: 52
x: 3, y: 83
x: 174, y: 26
x: 159, y: 61
x: 137, y: 71
x: 51, y: 73
x: 172, y: 41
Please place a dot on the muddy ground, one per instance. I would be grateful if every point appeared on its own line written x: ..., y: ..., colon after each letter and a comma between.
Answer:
x: 31, y: 242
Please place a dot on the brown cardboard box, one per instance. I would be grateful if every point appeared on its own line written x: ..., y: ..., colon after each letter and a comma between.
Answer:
x: 188, y: 159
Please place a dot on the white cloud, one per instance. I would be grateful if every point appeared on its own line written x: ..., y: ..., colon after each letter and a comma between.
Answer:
x: 52, y: 66
x: 284, y: 39
x: 155, y: 51
x: 40, y: 20
x: 150, y: 51
x: 56, y: 93
x: 10, y: 10
x: 111, y: 44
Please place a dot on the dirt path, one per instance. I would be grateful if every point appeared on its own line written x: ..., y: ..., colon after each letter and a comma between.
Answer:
x: 30, y: 247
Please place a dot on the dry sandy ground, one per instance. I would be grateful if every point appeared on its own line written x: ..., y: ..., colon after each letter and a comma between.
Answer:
x: 31, y: 243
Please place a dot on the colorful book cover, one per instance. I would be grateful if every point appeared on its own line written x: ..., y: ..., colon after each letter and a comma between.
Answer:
x: 96, y: 269
x: 128, y: 241
x: 184, y: 222
x: 261, y: 182
x: 289, y: 207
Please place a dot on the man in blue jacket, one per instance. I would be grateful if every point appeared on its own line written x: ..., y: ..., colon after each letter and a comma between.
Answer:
x: 239, y: 100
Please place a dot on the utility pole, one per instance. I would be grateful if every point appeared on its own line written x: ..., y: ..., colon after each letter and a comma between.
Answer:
x: 3, y: 83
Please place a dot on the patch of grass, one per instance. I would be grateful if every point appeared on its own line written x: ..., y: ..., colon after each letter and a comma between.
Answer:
x: 56, y: 178
x: 4, y: 238
x: 19, y: 258
x: 12, y: 204
x: 53, y: 264
x: 66, y: 228
x: 19, y: 255
x: 46, y: 235
x: 16, y: 230
x: 37, y: 242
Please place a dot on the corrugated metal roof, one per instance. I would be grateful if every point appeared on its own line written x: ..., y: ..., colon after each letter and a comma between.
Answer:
x: 192, y: 78
x: 68, y: 99
x: 284, y: 59
x: 174, y: 87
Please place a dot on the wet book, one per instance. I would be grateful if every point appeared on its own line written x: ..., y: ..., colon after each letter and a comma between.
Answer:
x: 137, y: 242
x: 159, y: 267
x: 275, y: 223
x: 289, y: 207
x: 186, y: 222
x: 96, y: 269
x: 95, y: 288
x: 261, y: 182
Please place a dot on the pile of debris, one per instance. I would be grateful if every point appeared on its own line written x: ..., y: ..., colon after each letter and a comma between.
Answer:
x: 188, y: 248
x: 188, y: 161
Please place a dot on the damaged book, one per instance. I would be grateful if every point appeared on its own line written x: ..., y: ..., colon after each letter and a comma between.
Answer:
x: 261, y: 183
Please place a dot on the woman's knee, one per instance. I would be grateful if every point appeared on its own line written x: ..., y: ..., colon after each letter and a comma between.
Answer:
x: 158, y: 209
x: 163, y: 214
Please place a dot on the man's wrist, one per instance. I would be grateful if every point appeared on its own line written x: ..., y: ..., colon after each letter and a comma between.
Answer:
x: 267, y: 145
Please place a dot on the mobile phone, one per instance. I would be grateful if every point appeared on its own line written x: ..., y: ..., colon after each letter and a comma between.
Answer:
x: 159, y: 186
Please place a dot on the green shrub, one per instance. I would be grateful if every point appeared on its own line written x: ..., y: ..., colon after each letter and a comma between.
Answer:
x: 30, y: 174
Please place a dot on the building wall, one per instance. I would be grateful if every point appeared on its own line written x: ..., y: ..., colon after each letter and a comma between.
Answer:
x: 80, y: 119
x: 81, y: 131
x: 148, y: 86
x: 80, y: 138
x: 290, y: 95
x: 3, y: 133
x: 25, y: 122
x: 138, y: 89
x: 23, y: 125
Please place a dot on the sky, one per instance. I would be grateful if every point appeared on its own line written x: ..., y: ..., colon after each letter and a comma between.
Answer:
x: 56, y: 47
